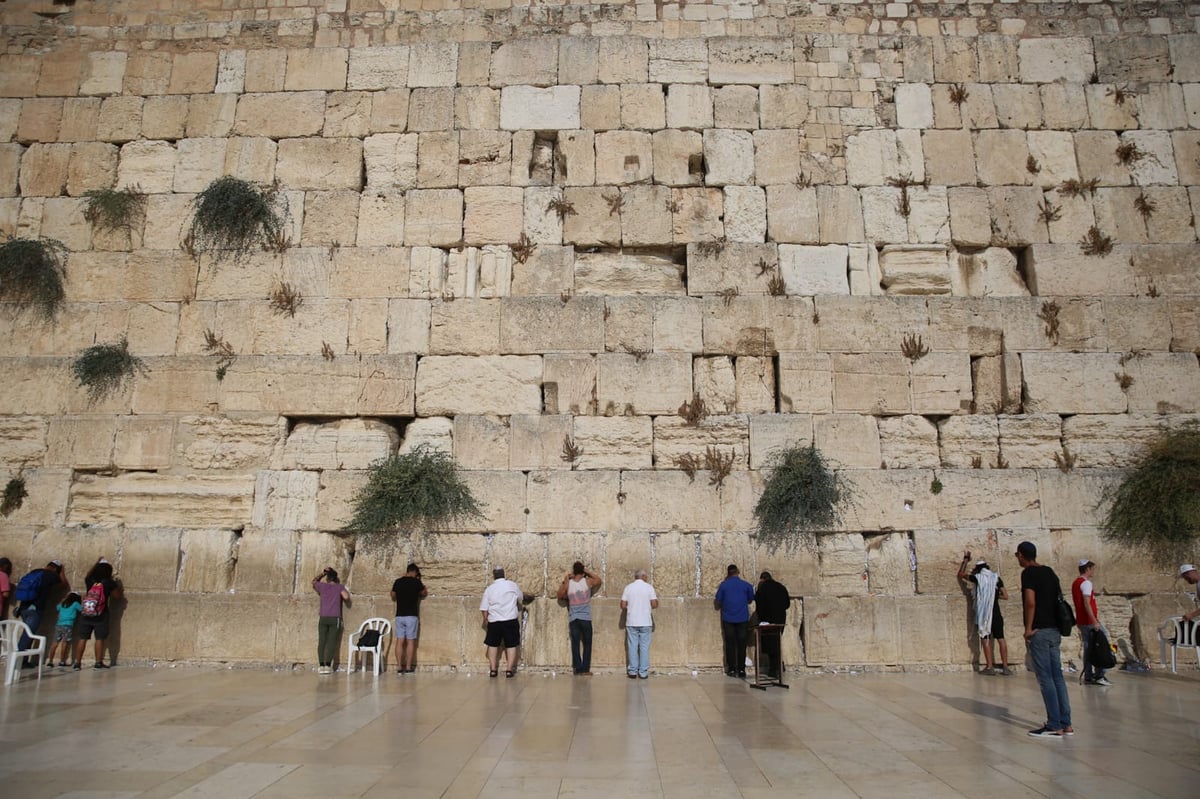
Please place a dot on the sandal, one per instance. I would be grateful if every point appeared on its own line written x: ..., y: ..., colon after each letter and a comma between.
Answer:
x: 492, y: 673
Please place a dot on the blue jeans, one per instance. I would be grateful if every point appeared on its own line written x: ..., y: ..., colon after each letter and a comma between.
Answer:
x: 637, y: 641
x: 581, y: 644
x: 1090, y: 672
x: 1047, y: 665
x: 32, y: 616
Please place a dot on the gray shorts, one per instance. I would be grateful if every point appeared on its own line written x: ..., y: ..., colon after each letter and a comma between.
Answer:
x: 407, y: 627
x: 62, y: 632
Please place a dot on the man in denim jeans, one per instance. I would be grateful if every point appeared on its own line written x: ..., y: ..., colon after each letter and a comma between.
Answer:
x: 1040, y: 591
x: 637, y: 600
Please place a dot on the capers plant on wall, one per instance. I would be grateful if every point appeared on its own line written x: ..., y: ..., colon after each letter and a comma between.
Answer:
x: 103, y: 368
x: 413, y: 491
x: 32, y: 273
x: 802, y: 496
x: 233, y: 217
x: 1155, y: 510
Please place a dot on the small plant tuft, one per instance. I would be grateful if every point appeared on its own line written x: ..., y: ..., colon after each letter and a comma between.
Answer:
x: 1095, y: 242
x: 1144, y: 206
x: 803, y: 180
x: 719, y: 466
x: 522, y: 248
x: 563, y: 208
x: 232, y: 218
x: 570, y: 450
x: 615, y: 203
x: 1155, y: 509
x: 1128, y: 153
x: 1032, y: 166
x: 913, y: 348
x: 776, y: 286
x: 1120, y: 94
x: 693, y: 412
x: 31, y: 274
x: 802, y: 495
x: 326, y: 351
x: 904, y: 182
x: 285, y: 299
x: 1049, y: 316
x: 936, y: 487
x: 976, y: 461
x: 565, y: 295
x: 728, y: 294
x: 115, y: 209
x: 711, y: 248
x: 673, y: 206
x: 690, y: 464
x: 103, y: 368
x: 1049, y: 212
x: 14, y: 495
x: 1073, y: 187
x: 958, y: 94
x: 1124, y: 379
x: 222, y: 350
x: 1001, y: 462
x: 410, y: 492
x: 1065, y: 460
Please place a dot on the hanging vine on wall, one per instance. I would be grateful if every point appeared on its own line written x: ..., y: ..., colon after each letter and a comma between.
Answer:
x: 802, y: 496
x: 411, y: 492
x: 31, y: 274
x: 1155, y: 510
x: 104, y: 368
x: 232, y: 218
x: 115, y: 209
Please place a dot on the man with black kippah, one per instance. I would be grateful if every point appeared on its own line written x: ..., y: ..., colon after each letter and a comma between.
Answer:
x: 771, y: 601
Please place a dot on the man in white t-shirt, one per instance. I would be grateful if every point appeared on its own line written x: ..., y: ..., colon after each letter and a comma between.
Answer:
x: 501, y: 611
x: 1191, y: 575
x: 637, y: 600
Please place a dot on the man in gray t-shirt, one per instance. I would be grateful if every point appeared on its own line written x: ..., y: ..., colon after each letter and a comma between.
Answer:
x: 576, y: 589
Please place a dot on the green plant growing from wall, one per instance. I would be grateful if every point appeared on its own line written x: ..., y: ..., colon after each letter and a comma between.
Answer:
x: 233, y: 217
x: 14, y: 495
x: 1154, y: 511
x: 31, y: 274
x: 410, y: 492
x: 103, y: 368
x: 115, y: 209
x: 802, y: 496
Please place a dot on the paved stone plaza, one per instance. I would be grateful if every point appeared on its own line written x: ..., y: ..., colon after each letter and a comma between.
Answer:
x: 164, y: 732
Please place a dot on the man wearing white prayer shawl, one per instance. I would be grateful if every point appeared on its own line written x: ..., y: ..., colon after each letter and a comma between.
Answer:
x: 989, y: 590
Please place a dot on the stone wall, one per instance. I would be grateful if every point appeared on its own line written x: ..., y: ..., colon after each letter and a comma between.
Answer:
x: 843, y: 224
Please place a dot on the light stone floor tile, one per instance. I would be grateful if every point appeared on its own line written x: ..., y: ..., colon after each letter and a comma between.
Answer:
x: 169, y: 732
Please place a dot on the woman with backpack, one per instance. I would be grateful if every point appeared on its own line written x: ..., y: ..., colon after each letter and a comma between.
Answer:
x: 329, y: 624
x: 94, y: 616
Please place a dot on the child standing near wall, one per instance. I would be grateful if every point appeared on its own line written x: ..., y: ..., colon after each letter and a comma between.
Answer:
x: 64, y: 628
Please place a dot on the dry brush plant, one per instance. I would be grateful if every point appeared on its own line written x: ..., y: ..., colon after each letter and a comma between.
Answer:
x: 103, y: 368
x: 115, y: 209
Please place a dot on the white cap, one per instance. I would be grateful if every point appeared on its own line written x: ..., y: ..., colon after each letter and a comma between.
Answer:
x: 981, y: 563
x: 1085, y: 562
x: 1185, y: 568
x: 102, y: 560
x: 57, y: 562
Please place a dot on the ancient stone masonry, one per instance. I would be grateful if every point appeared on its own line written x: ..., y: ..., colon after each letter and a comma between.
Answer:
x: 950, y: 243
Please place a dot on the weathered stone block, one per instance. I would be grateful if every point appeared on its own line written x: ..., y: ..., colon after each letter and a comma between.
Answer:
x: 617, y: 442
x: 433, y: 217
x: 433, y: 64
x: 750, y: 60
x: 280, y: 115
x: 656, y: 383
x: 624, y: 157
x: 506, y: 384
x: 162, y: 500
x: 1050, y: 59
x: 967, y: 440
x: 805, y: 382
x: 376, y: 68
x: 344, y: 444
x: 876, y: 383
x: 1162, y: 382
x: 533, y: 108
x: 492, y: 213
x: 728, y: 157
x: 792, y: 214
x: 713, y: 268
x: 1072, y: 383
x: 908, y: 442
x: 547, y: 324
x: 316, y: 68
x: 579, y: 501
x: 992, y: 498
x: 840, y: 215
x: 811, y: 270
x: 340, y: 163
x: 850, y: 631
x: 538, y: 442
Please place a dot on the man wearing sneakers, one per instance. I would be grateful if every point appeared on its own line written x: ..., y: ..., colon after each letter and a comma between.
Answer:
x: 407, y: 593
x: 1088, y: 620
x: 1040, y: 591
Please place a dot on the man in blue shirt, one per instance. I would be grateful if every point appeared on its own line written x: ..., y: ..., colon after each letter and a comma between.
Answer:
x: 733, y: 599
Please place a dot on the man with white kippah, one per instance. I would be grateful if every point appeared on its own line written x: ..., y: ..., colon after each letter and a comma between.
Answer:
x: 1083, y: 595
x: 1192, y: 576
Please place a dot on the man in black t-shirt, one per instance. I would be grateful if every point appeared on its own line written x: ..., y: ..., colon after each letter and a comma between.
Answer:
x: 1040, y: 592
x: 408, y: 591
x: 771, y: 601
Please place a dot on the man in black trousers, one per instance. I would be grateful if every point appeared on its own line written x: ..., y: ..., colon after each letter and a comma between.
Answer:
x: 771, y: 601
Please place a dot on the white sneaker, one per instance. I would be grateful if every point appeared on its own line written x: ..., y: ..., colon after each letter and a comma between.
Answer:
x: 1102, y: 681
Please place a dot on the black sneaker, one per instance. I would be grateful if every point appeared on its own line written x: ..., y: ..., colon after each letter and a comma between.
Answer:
x: 1045, y: 732
x: 100, y: 666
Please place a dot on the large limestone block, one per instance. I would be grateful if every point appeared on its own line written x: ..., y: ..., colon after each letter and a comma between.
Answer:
x: 745, y: 214
x: 547, y: 324
x: 376, y: 68
x: 848, y: 440
x: 643, y: 106
x: 805, y: 382
x: 646, y: 216
x: 992, y: 498
x: 742, y: 266
x: 391, y: 161
x: 755, y: 384
x: 738, y: 60
x: 678, y: 325
x: 539, y: 442
x: 574, y: 501
x: 570, y: 384
x: 1016, y: 217
x: 914, y: 106
x: 44, y: 169
x: 1166, y: 266
x: 876, y: 383
x: 658, y: 501
x: 699, y: 213
x: 1050, y: 59
x: 1076, y: 498
x: 624, y: 157
x: 533, y: 108
x: 433, y: 217
x: 193, y: 73
x: 728, y: 157
x: 379, y: 385
x: 678, y: 60
x: 23, y: 440
x: 812, y: 270
x: 618, y: 442
x: 150, y: 559
x: 343, y: 444
x: 174, y: 623
x: 436, y: 433
x: 217, y: 442
x: 1030, y: 440
x: 1135, y: 323
x: 908, y: 442
x: 316, y: 68
x: 949, y: 157
x: 320, y: 164
x: 465, y: 327
x: 850, y: 631
x: 492, y: 213
x: 1107, y: 440
x: 1163, y: 383
x: 143, y: 442
x: 162, y: 500
x: 280, y: 115
x: 992, y: 272
x: 771, y: 434
x: 970, y: 216
x: 1072, y: 383
x: 735, y: 107
x: 206, y: 560
x: 792, y: 214
x: 689, y: 106
x: 914, y: 269
x: 505, y: 384
x: 657, y: 383
x: 592, y: 222
x: 967, y: 440
x: 941, y: 383
x: 1029, y: 324
x: 1001, y: 157
x: 433, y: 64
x: 841, y: 219
x: 437, y: 157
x: 674, y: 438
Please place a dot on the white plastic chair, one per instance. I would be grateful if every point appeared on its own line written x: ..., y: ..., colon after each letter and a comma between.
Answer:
x: 10, y: 638
x: 384, y: 627
x: 1178, y: 634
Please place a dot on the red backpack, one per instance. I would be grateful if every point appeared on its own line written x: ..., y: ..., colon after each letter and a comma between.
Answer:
x: 94, y: 602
